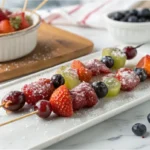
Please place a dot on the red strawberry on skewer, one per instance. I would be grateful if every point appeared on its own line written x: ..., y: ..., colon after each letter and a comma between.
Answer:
x: 61, y: 102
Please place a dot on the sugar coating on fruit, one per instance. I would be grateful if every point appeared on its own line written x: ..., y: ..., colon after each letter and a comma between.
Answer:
x: 36, y: 91
x: 113, y: 85
x: 70, y: 75
x: 71, y: 72
x: 61, y: 102
x: 110, y: 81
x: 118, y: 52
x: 83, y: 96
x: 97, y: 67
x: 109, y: 75
x: 129, y: 80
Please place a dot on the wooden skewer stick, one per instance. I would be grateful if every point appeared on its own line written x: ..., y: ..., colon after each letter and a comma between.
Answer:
x: 40, y: 5
x: 3, y: 3
x: 25, y: 5
x: 140, y: 45
x: 14, y: 120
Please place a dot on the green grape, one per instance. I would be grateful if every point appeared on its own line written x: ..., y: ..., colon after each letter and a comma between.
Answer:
x: 107, y: 51
x: 118, y: 56
x: 70, y: 76
x: 113, y: 86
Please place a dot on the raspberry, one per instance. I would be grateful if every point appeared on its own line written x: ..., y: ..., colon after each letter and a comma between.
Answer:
x: 97, y: 67
x: 129, y: 80
x: 39, y: 90
x: 83, y: 96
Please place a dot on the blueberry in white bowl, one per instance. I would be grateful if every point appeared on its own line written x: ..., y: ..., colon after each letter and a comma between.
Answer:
x: 129, y: 26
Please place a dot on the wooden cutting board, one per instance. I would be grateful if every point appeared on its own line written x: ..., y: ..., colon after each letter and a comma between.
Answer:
x: 54, y: 46
x: 142, y: 4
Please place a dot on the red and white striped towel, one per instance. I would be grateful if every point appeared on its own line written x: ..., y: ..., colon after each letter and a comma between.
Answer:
x: 89, y: 15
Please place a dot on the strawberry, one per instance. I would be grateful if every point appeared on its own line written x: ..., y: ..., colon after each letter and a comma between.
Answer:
x: 39, y: 90
x: 5, y: 27
x: 19, y: 21
x: 83, y: 73
x: 61, y: 102
x: 145, y: 63
x: 83, y: 96
x: 128, y: 79
x: 76, y: 64
x: 97, y: 67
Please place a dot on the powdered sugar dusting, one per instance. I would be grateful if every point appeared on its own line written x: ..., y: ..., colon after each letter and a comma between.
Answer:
x: 128, y: 78
x: 83, y: 96
x: 36, y: 91
x: 71, y: 72
x: 44, y: 52
x: 97, y: 67
x: 117, y: 52
x: 62, y: 126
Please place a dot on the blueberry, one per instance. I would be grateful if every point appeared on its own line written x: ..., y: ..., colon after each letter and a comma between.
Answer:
x: 147, y: 20
x: 57, y: 80
x: 116, y: 16
x: 141, y: 73
x: 108, y: 61
x: 132, y: 19
x: 144, y: 13
x: 133, y: 12
x: 124, y: 19
x: 148, y: 118
x: 100, y: 88
x: 142, y: 20
x: 139, y: 129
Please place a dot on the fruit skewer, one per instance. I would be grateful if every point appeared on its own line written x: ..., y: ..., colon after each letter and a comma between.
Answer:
x: 25, y: 5
x: 40, y: 5
x: 84, y: 74
x: 84, y: 95
x: 63, y: 102
x: 3, y: 3
x: 38, y: 110
x: 77, y: 90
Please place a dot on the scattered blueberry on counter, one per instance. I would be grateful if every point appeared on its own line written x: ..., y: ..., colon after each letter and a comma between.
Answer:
x: 148, y: 118
x: 139, y: 129
x: 133, y: 15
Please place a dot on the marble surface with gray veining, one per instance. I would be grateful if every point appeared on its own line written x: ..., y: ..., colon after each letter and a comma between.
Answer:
x: 115, y: 133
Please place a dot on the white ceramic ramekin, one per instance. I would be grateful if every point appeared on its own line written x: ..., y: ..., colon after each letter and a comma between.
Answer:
x: 125, y: 32
x: 20, y: 43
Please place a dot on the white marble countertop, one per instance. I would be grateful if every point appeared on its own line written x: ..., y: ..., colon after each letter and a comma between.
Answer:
x: 115, y: 133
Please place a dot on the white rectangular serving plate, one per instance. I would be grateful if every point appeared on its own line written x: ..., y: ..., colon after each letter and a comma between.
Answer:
x: 35, y: 133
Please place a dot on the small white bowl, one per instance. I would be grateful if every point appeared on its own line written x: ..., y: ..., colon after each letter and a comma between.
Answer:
x: 20, y: 43
x: 125, y: 32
